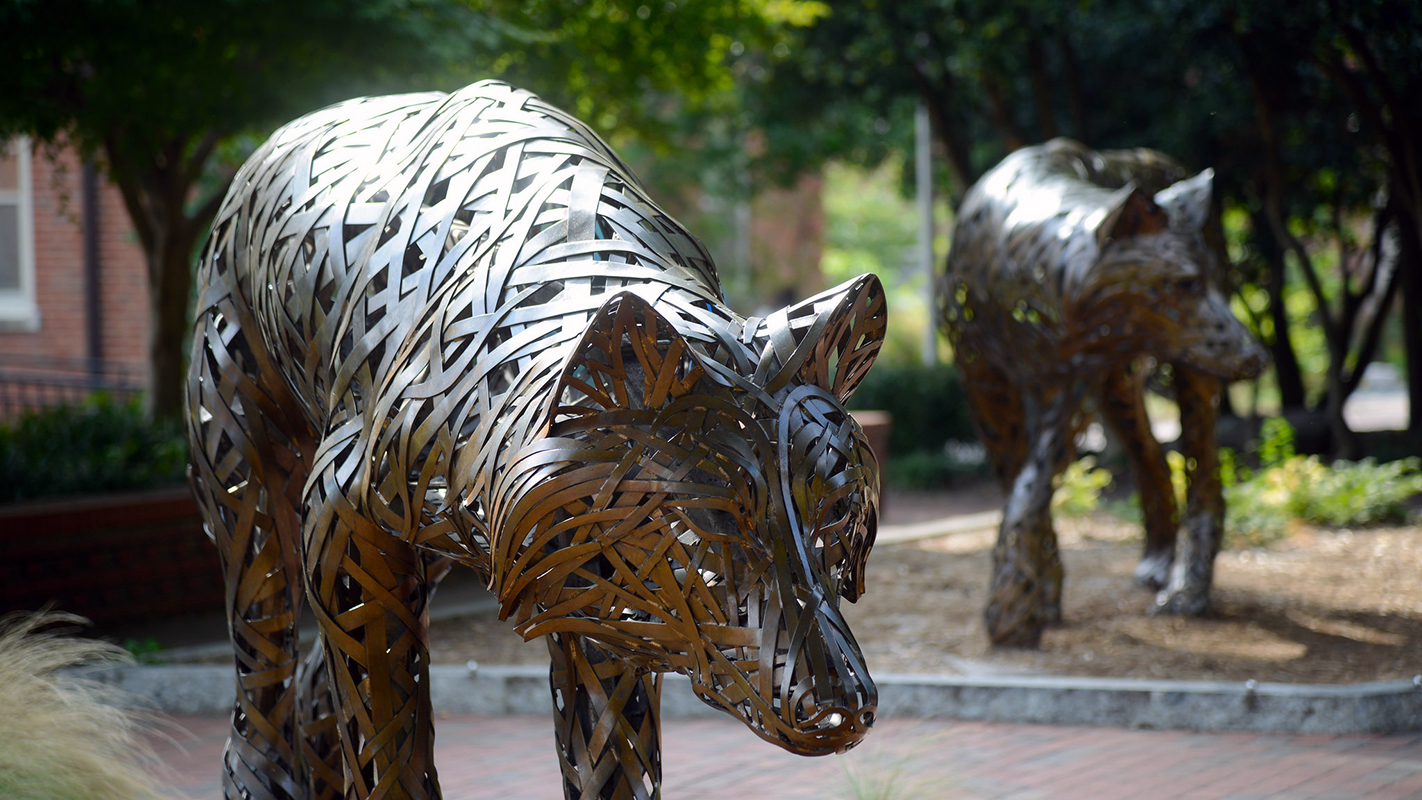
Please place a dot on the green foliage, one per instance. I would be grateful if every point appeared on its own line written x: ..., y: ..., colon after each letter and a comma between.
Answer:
x: 924, y: 471
x: 99, y: 446
x: 1078, y: 488
x: 1302, y: 107
x: 927, y: 404
x: 145, y: 650
x: 1260, y: 504
x: 167, y: 92
x: 1276, y: 442
x: 870, y: 226
x: 930, y: 423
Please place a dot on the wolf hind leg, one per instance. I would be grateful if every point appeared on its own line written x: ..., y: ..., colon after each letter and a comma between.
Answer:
x: 1123, y: 409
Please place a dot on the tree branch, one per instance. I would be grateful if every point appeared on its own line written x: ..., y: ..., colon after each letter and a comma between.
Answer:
x: 1373, y: 311
x: 1041, y: 88
x: 197, y: 160
x: 1273, y: 189
x: 1071, y: 73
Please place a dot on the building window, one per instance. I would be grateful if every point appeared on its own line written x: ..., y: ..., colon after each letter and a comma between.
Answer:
x: 17, y: 246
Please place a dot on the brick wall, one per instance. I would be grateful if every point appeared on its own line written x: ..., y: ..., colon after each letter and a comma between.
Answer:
x: 787, y: 240
x: 57, y: 193
x: 115, y: 559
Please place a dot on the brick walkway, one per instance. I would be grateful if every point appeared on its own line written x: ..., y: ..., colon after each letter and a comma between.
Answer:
x: 511, y: 758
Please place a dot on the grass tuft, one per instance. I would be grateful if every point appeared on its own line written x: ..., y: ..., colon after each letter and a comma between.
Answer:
x: 63, y: 736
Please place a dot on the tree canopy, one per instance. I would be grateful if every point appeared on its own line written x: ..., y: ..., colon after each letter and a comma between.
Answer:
x: 1301, y: 108
x: 166, y: 94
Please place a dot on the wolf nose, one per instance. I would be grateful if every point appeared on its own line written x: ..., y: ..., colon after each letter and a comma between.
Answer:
x: 1256, y: 362
x: 839, y: 732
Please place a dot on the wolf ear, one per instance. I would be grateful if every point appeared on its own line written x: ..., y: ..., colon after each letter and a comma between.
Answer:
x: 829, y: 340
x: 1133, y: 213
x: 1187, y: 202
x: 629, y: 357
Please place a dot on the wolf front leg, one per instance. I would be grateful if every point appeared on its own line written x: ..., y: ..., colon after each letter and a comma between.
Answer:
x: 1027, y: 574
x: 369, y: 592
x: 1192, y: 577
x: 608, y: 718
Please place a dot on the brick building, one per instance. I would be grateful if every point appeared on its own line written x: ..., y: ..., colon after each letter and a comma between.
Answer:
x: 73, y: 281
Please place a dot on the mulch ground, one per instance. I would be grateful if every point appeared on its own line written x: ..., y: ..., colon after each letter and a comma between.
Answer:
x: 1321, y: 606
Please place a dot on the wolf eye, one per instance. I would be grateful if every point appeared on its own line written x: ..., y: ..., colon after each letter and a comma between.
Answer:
x: 831, y: 547
x: 1188, y: 285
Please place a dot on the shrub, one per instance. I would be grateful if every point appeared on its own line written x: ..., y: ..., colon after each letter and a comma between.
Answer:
x: 927, y: 404
x: 1078, y: 488
x: 1287, y: 486
x: 932, y: 433
x: 98, y: 446
x: 1361, y: 493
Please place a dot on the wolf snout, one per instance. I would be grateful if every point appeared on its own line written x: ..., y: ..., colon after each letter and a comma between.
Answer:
x: 834, y: 700
x: 839, y: 730
x: 1242, y: 358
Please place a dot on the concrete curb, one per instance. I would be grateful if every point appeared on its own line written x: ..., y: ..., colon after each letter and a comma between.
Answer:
x: 1382, y: 707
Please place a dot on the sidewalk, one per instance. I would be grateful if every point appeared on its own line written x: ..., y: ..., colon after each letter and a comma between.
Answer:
x: 512, y: 758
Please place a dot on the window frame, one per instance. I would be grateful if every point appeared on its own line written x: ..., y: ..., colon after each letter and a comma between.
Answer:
x: 18, y: 310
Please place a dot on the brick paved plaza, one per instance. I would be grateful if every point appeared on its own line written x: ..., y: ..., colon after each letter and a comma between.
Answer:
x: 512, y: 758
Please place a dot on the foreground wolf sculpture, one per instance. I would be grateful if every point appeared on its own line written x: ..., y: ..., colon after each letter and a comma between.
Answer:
x: 450, y: 329
x: 1068, y: 268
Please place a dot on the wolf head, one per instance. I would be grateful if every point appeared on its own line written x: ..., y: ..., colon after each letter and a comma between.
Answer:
x: 701, y: 504
x: 1151, y: 289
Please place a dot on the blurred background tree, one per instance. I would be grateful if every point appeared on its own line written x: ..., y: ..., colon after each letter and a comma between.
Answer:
x: 170, y: 95
x: 1303, y: 109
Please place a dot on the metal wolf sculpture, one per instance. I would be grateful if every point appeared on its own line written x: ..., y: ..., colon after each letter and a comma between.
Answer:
x: 451, y: 329
x: 1068, y: 267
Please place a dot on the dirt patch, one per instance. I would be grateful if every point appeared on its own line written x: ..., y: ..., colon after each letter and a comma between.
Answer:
x: 1319, y: 607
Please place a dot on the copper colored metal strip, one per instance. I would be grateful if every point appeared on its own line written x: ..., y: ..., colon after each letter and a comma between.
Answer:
x: 452, y: 328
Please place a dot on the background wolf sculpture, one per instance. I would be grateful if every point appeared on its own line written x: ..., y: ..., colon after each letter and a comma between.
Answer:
x: 1068, y: 267
x: 451, y: 329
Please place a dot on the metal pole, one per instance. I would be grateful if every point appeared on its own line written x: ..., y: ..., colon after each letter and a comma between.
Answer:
x: 923, y: 173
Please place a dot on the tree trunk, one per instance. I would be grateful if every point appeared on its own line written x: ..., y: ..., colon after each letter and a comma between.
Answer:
x: 156, y: 188
x: 170, y: 279
x: 1410, y: 269
x: 1286, y: 364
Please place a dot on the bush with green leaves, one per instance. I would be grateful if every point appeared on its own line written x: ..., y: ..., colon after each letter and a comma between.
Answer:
x: 98, y: 446
x: 929, y: 412
x: 1260, y: 503
x: 1078, y: 488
